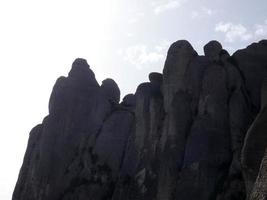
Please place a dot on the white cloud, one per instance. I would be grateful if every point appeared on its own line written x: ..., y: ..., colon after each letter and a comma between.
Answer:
x: 261, y: 29
x: 140, y: 56
x: 233, y: 32
x: 223, y: 27
x: 130, y: 34
x: 195, y: 14
x: 163, y: 46
x: 167, y: 5
x: 132, y: 20
x: 136, y: 18
x: 202, y: 12
x: 208, y: 11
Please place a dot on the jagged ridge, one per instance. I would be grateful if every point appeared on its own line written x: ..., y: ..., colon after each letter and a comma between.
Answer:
x: 180, y: 136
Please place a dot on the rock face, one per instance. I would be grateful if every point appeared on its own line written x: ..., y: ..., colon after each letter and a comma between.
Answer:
x: 196, y: 131
x: 254, y: 150
x: 259, y: 191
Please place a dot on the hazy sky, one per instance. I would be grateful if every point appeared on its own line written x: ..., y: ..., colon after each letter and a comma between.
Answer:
x: 121, y: 39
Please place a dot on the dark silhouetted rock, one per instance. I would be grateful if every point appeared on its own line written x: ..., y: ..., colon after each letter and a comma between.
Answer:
x: 140, y: 168
x: 81, y: 72
x: 252, y: 62
x: 111, y: 90
x: 254, y: 153
x: 254, y: 148
x: 179, y: 56
x: 181, y: 136
x: 259, y: 191
x: 212, y: 50
x: 129, y: 100
x: 155, y: 78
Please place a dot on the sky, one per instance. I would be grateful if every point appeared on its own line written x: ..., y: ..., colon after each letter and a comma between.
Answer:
x: 121, y: 39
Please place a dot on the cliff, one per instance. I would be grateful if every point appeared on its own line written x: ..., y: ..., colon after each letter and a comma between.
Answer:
x: 196, y: 131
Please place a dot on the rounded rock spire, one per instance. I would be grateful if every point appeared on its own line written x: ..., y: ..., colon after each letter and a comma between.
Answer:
x: 156, y: 78
x: 180, y: 46
x: 111, y: 90
x: 81, y: 72
x: 212, y: 50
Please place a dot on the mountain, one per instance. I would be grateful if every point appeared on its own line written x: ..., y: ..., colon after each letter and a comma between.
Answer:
x: 196, y: 131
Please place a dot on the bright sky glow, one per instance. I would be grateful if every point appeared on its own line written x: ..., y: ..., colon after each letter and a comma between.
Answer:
x: 121, y: 39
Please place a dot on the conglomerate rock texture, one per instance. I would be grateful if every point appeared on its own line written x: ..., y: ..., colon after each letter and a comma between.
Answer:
x: 196, y: 131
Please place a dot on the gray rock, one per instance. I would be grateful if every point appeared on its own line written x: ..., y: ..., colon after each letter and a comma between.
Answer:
x: 111, y: 90
x: 82, y: 73
x: 264, y: 93
x: 224, y: 55
x: 203, y: 166
x: 259, y: 191
x: 252, y: 64
x: 239, y: 121
x: 129, y: 100
x: 140, y: 171
x: 254, y: 148
x: 155, y: 78
x: 180, y: 136
x: 177, y: 117
x: 179, y: 56
x: 212, y: 50
x: 78, y: 109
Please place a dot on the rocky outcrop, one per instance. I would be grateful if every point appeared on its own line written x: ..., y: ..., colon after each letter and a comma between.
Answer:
x: 254, y: 148
x: 180, y: 136
x: 212, y: 50
x: 252, y: 63
x: 259, y: 191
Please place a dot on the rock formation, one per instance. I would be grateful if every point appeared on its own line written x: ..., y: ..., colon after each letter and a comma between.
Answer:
x: 196, y: 131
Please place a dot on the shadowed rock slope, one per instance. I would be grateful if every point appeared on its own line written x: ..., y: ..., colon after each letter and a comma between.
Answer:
x: 196, y: 131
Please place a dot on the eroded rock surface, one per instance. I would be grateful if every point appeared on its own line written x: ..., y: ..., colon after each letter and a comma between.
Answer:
x: 181, y: 136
